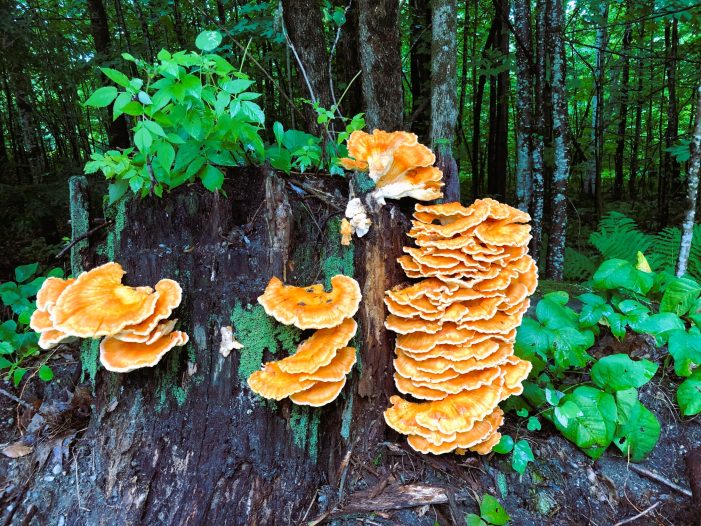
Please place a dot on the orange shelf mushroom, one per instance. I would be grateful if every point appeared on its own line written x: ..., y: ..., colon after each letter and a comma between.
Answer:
x: 456, y: 327
x: 316, y: 373
x: 133, y: 320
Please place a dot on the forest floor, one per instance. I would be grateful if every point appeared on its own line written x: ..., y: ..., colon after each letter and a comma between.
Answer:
x: 562, y: 487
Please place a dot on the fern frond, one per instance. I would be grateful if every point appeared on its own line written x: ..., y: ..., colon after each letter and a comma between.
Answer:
x: 578, y: 266
x: 620, y: 237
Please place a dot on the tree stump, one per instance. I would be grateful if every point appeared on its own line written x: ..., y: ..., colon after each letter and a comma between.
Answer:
x: 187, y: 442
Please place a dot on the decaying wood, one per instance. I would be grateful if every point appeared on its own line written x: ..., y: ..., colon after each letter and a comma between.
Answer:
x: 693, y: 471
x: 278, y: 218
x: 396, y: 497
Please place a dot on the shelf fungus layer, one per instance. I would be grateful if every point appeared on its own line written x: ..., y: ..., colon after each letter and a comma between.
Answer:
x: 456, y: 326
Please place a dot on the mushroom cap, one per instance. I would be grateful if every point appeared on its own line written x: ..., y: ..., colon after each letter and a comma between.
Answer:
x: 311, y: 307
x: 457, y: 353
x: 346, y: 232
x: 50, y: 290
x: 122, y: 357
x: 409, y: 325
x: 504, y: 233
x: 170, y: 294
x: 337, y: 369
x: 487, y: 444
x: 97, y: 304
x: 481, y: 430
x: 421, y: 392
x: 40, y: 321
x: 375, y: 152
x: 272, y: 382
x: 423, y: 183
x: 405, y: 294
x: 465, y: 382
x: 429, y: 213
x: 500, y: 323
x: 321, y: 393
x: 441, y: 364
x: 49, y: 337
x: 319, y: 349
x: 515, y: 371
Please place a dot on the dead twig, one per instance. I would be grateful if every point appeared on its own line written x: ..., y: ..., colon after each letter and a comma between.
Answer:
x: 83, y: 236
x: 14, y: 398
x: 661, y: 479
x: 636, y: 517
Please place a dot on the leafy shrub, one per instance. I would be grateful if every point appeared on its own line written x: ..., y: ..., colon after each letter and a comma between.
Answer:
x: 18, y: 343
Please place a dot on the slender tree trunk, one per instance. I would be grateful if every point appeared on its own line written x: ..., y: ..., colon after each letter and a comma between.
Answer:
x: 634, y: 161
x: 117, y: 131
x: 380, y: 62
x: 421, y: 66
x: 555, y: 265
x: 305, y: 29
x: 623, y: 114
x: 670, y: 166
x: 221, y: 12
x: 444, y: 94
x: 462, y: 137
x: 347, y: 63
x: 692, y: 182
x: 524, y: 104
x: 499, y: 132
x: 28, y: 123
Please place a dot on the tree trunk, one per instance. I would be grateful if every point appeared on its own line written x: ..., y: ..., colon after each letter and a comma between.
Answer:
x: 670, y: 166
x: 187, y: 442
x: 444, y: 94
x: 634, y: 161
x: 622, y: 115
x: 347, y: 63
x: 555, y: 264
x: 421, y: 66
x: 381, y: 64
x: 117, y: 132
x: 499, y: 117
x: 692, y: 182
x: 307, y: 40
x: 524, y: 104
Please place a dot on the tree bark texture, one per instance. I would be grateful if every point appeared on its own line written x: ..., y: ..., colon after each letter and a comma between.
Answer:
x: 444, y: 94
x: 305, y: 30
x: 422, y: 35
x: 187, y: 442
x: 622, y: 115
x: 670, y: 166
x: 381, y: 64
x: 524, y: 104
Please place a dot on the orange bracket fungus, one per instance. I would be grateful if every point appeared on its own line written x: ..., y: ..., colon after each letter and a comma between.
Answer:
x: 398, y: 165
x: 316, y: 373
x: 456, y: 327
x: 133, y: 320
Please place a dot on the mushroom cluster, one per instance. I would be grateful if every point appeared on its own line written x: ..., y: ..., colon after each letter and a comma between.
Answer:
x: 456, y: 327
x: 316, y: 373
x: 398, y: 165
x: 134, y: 321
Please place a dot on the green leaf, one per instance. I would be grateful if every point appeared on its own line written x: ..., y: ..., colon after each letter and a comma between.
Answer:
x: 102, y: 97
x: 619, y: 273
x: 638, y: 429
x: 619, y: 372
x: 587, y: 417
x: 208, y: 40
x: 493, y: 512
x: 553, y: 313
x: 24, y: 272
x: 120, y: 102
x: 45, y: 373
x: 165, y: 154
x: 143, y: 139
x: 117, y: 190
x: 505, y: 445
x: 6, y: 348
x: 689, y: 395
x: 212, y: 178
x: 685, y: 348
x: 116, y: 76
x: 679, y: 296
x: 570, y: 347
x: 237, y: 86
x: 521, y: 456
x: 532, y: 339
x: 279, y: 132
x: 474, y: 520
x: 18, y: 375
x: 660, y: 325
x: 533, y: 424
x: 154, y: 128
x: 5, y: 363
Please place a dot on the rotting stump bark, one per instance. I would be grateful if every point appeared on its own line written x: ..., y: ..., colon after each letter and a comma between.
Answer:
x: 186, y: 442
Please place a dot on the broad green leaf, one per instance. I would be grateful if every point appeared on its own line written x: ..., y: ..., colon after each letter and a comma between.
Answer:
x: 689, y: 395
x: 45, y: 373
x: 237, y: 86
x: 117, y: 190
x: 532, y: 339
x: 521, y: 456
x: 165, y: 153
x: 143, y: 139
x: 472, y: 519
x: 619, y: 273
x: 679, y: 296
x: 116, y: 76
x: 24, y: 272
x: 208, y: 40
x: 553, y: 313
x: 102, y: 97
x: 533, y: 423
x: 18, y: 374
x: 617, y: 323
x: 505, y: 445
x: 619, y: 372
x: 120, y: 102
x: 6, y: 348
x: 685, y: 348
x: 587, y: 417
x: 570, y: 347
x: 493, y: 512
x: 638, y: 429
x: 660, y: 325
x: 279, y: 132
x: 154, y: 128
x: 212, y: 178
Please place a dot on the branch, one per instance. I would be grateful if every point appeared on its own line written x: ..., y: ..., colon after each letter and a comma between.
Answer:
x: 83, y: 236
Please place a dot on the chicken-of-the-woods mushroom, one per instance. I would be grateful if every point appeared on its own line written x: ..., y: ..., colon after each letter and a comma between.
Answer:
x: 456, y: 327
x: 316, y: 373
x: 133, y: 320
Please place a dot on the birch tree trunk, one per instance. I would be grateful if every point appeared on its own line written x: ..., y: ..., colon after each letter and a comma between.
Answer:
x: 555, y: 264
x: 381, y: 64
x: 444, y: 103
x: 692, y: 181
x: 524, y: 104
